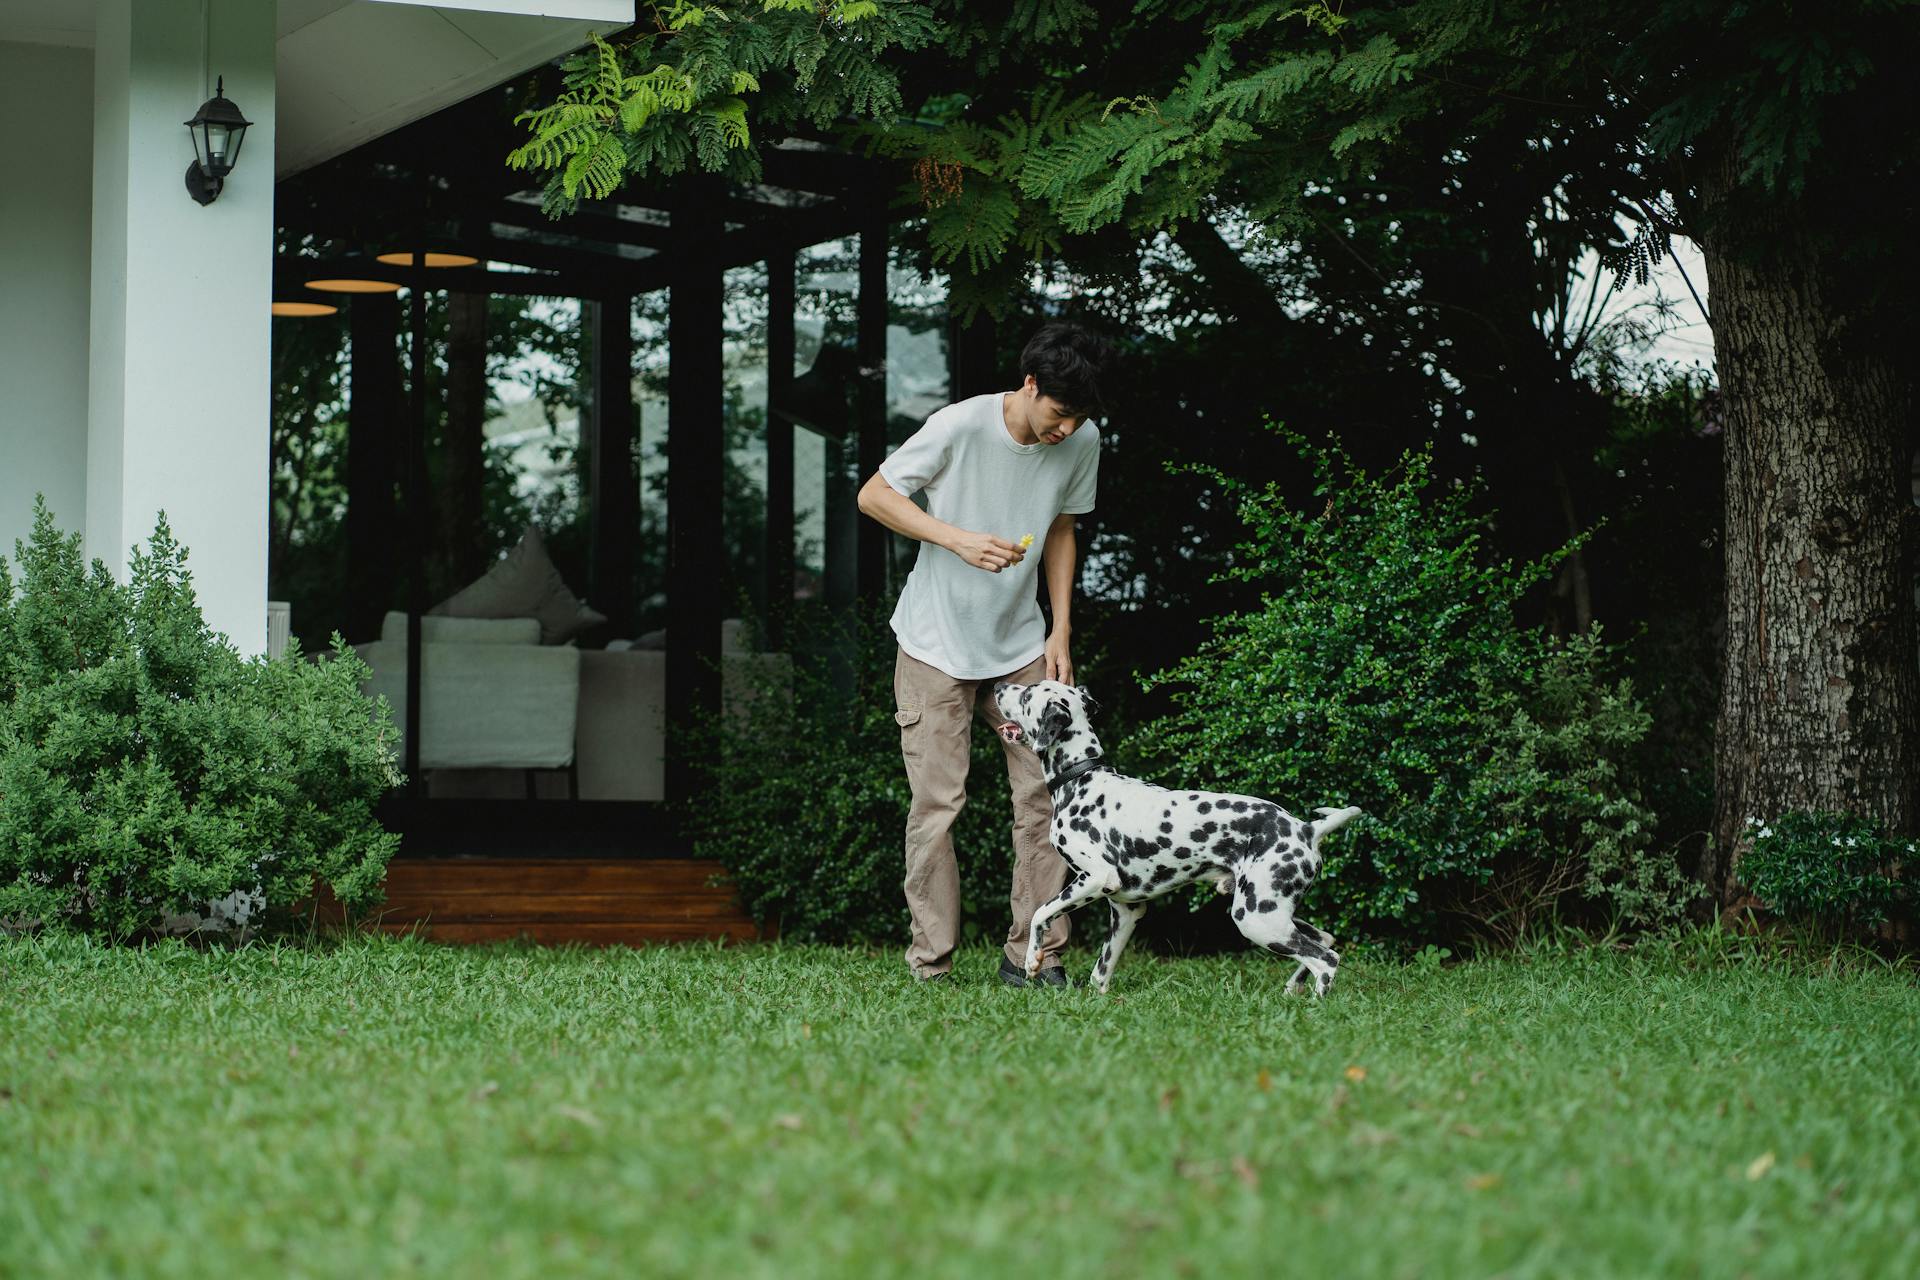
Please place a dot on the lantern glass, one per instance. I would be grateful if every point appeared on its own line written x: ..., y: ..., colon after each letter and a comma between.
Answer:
x: 218, y: 129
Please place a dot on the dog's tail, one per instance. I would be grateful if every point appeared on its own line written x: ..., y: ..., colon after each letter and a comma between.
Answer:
x: 1329, y: 821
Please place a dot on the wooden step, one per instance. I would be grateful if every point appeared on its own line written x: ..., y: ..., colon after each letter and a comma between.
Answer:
x: 552, y: 900
x: 595, y: 932
x: 416, y: 904
x: 552, y: 875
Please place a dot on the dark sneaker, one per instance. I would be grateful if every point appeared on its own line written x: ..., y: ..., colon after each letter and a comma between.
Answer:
x: 1051, y: 976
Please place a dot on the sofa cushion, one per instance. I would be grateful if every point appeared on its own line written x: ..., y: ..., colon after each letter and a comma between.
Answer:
x: 463, y: 630
x: 525, y: 585
x: 482, y: 706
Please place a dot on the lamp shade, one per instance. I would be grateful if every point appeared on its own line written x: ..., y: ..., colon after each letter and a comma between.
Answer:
x: 348, y: 285
x: 218, y: 129
x: 428, y: 259
x: 305, y: 309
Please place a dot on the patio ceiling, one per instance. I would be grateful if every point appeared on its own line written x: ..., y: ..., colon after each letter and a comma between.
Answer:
x: 348, y: 71
x: 443, y: 183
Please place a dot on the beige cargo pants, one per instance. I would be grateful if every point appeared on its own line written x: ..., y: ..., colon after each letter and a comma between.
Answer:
x: 935, y: 713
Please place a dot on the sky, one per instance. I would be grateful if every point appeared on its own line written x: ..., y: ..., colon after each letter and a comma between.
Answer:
x: 1686, y: 339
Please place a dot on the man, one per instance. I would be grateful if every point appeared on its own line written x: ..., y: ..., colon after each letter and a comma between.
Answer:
x: 999, y: 471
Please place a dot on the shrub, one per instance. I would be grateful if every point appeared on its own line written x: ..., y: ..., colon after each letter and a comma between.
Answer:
x: 1384, y: 668
x: 146, y: 769
x: 1837, y: 871
x: 813, y: 830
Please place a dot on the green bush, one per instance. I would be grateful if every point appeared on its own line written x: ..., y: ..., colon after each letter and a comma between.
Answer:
x: 813, y: 829
x: 1385, y: 668
x: 1837, y: 871
x: 146, y: 769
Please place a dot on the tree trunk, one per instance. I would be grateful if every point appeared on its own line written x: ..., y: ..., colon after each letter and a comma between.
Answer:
x: 1820, y: 697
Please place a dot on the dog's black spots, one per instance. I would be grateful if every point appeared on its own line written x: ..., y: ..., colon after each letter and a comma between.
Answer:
x: 1239, y: 913
x: 1267, y: 906
x: 1162, y: 874
x: 1129, y: 881
x: 1206, y: 806
x: 1278, y: 877
x: 1166, y: 842
x: 1239, y: 806
x: 1270, y: 825
x: 1166, y: 826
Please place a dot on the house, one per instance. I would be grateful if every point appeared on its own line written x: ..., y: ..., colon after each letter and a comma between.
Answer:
x: 135, y: 333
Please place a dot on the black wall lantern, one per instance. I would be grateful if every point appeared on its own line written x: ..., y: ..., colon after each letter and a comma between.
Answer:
x: 217, y: 130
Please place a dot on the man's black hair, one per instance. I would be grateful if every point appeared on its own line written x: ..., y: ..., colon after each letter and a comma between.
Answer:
x: 1067, y: 363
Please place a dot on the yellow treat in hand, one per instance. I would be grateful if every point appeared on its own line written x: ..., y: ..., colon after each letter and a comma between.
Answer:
x: 1026, y: 541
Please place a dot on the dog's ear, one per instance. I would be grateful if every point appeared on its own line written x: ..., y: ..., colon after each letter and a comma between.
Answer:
x: 1086, y: 698
x: 1055, y: 719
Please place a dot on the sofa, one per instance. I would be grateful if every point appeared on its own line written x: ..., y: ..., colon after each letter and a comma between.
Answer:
x: 496, y: 703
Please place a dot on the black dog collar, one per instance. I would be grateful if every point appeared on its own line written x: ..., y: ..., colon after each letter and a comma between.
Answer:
x: 1073, y: 771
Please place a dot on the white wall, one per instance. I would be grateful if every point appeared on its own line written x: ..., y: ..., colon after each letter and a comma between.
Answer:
x: 45, y: 250
x: 178, y: 401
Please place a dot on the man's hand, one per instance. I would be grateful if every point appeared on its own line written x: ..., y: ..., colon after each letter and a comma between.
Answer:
x: 1059, y: 662
x: 984, y: 551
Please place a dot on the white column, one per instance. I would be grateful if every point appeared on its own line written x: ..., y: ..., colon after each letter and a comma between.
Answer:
x: 180, y: 332
x: 45, y: 250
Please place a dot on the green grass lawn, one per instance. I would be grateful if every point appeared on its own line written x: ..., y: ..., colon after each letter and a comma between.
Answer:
x: 393, y: 1108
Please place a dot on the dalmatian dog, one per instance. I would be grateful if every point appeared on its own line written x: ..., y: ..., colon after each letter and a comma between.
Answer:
x: 1129, y: 841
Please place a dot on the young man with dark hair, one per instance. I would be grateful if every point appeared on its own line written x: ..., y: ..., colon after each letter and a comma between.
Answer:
x: 999, y: 471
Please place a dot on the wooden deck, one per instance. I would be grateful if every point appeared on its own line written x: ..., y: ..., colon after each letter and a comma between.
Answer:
x: 553, y: 900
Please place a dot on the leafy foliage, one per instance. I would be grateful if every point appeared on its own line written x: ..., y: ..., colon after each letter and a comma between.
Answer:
x: 677, y: 96
x: 146, y: 769
x: 1248, y: 104
x: 1383, y: 667
x: 1830, y: 869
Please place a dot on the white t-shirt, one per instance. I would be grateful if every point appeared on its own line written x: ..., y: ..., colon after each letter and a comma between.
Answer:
x: 968, y: 622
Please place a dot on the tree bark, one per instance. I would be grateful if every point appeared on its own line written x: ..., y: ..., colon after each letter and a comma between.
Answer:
x: 1820, y: 697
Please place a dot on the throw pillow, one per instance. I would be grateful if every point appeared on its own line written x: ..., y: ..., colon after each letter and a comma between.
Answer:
x: 525, y: 584
x: 444, y: 630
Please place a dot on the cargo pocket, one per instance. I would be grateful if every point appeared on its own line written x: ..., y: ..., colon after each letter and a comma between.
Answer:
x: 908, y: 718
